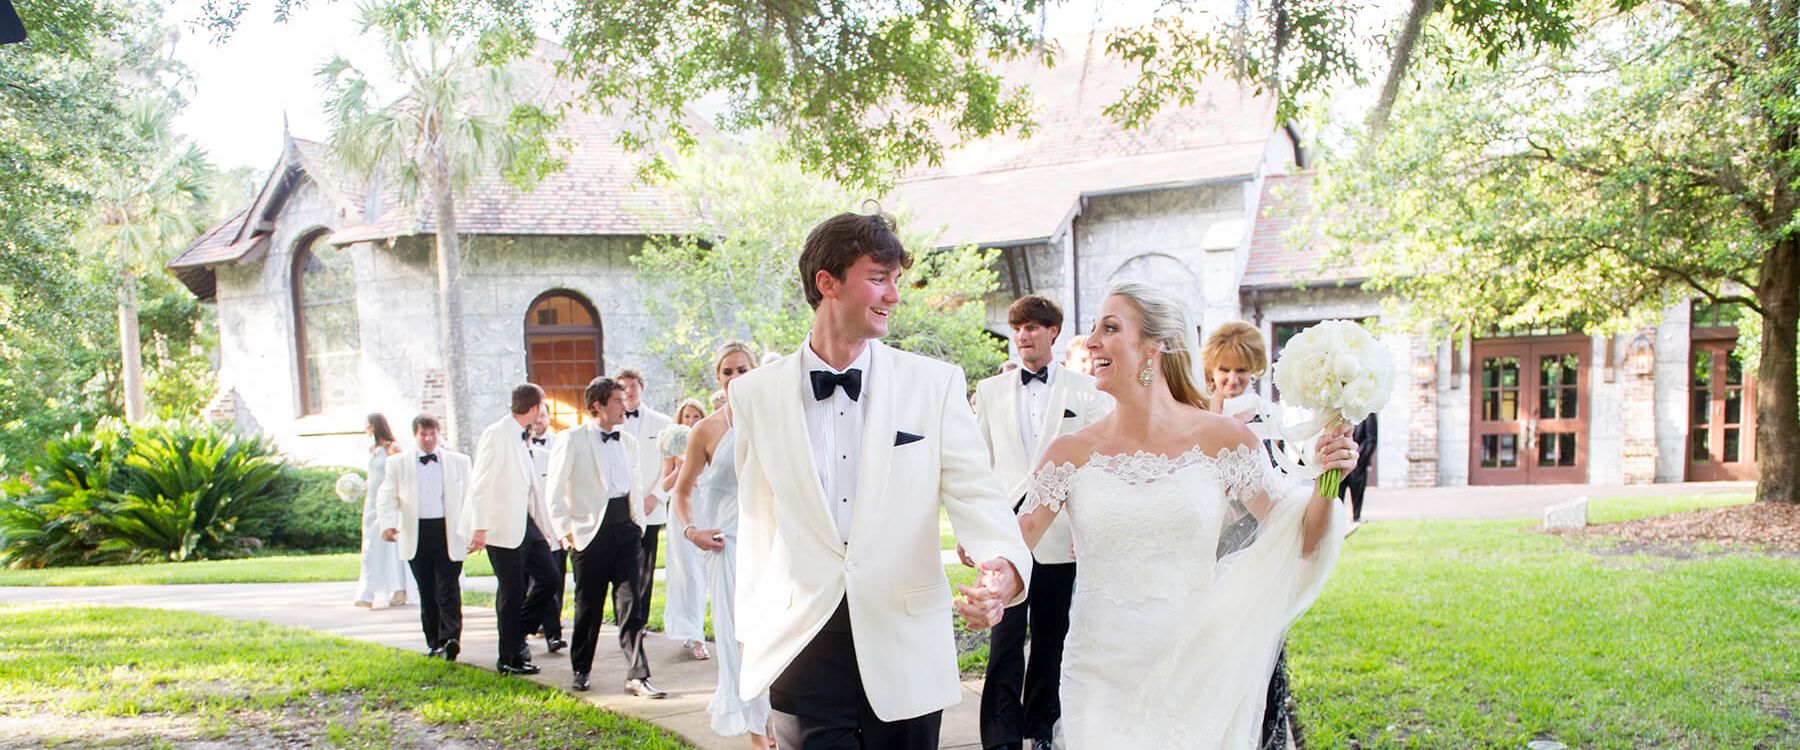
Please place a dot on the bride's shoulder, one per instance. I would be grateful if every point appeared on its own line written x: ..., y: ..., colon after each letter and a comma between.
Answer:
x: 1072, y: 448
x: 1216, y: 433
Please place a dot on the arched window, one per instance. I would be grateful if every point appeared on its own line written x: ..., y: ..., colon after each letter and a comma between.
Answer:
x: 325, y: 327
x: 563, y: 352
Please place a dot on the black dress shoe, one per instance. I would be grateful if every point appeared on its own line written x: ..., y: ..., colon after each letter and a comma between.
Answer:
x: 643, y: 689
x: 450, y: 649
x: 435, y: 653
x: 555, y: 644
x: 581, y: 682
x: 1041, y: 743
x: 520, y: 668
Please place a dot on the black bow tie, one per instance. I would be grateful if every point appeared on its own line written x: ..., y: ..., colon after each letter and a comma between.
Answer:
x: 607, y: 437
x: 540, y: 441
x: 631, y: 414
x: 525, y: 434
x: 1026, y: 376
x: 824, y: 382
x: 427, y: 458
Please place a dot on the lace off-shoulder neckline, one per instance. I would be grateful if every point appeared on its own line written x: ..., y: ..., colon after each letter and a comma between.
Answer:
x: 1127, y: 465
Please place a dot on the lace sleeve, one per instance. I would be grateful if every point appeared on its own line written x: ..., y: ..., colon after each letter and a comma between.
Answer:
x: 1050, y: 486
x: 1251, y: 486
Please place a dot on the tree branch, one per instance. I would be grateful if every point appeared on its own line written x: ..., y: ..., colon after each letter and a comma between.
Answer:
x: 1403, y: 51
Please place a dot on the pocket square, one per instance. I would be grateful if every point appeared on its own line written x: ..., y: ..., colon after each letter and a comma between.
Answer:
x: 902, y: 438
x: 1068, y: 414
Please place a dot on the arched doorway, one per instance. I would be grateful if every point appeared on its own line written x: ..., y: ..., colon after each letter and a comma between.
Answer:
x: 563, y: 352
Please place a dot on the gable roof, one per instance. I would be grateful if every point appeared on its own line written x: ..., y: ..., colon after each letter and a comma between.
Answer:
x: 1287, y: 246
x: 1013, y: 190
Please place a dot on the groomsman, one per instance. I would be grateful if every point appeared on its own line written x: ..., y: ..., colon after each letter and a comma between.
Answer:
x: 846, y: 451
x: 551, y: 626
x: 510, y: 518
x: 685, y: 577
x: 423, y: 505
x: 1020, y: 412
x: 593, y: 505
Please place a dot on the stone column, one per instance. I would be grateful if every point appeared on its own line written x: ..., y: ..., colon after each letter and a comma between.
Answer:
x: 1422, y: 429
x: 1638, y: 409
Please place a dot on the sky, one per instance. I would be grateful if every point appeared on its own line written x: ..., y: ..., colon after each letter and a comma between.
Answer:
x: 246, y: 86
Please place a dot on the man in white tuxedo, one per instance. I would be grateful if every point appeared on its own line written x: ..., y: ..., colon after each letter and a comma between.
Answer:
x: 551, y: 625
x: 598, y: 512
x: 1020, y: 412
x: 511, y: 519
x: 845, y: 452
x: 423, y: 505
x: 684, y: 591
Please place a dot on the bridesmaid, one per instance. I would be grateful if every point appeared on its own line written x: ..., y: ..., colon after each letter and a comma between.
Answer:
x: 384, y: 576
x: 673, y: 443
x: 706, y: 507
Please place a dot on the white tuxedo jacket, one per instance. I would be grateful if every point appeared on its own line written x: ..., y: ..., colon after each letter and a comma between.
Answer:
x: 397, y: 502
x: 503, y: 484
x: 578, y: 486
x: 647, y: 465
x: 1073, y: 403
x: 792, y: 567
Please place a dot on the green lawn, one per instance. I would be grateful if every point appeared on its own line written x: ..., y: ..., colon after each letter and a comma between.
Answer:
x: 269, y: 569
x: 147, y: 678
x: 1486, y: 634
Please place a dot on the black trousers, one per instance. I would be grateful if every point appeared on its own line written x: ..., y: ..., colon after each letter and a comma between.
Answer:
x: 1355, y: 484
x: 551, y: 625
x: 819, y: 702
x: 1021, y: 699
x: 611, y: 559
x: 440, y: 587
x: 517, y: 602
x: 647, y: 560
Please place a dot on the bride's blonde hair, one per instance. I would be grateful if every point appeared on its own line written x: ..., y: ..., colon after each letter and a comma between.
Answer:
x: 1164, y: 321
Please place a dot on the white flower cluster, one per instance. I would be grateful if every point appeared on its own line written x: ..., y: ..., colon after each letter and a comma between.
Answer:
x: 1337, y: 369
x: 672, y: 441
x: 350, y: 487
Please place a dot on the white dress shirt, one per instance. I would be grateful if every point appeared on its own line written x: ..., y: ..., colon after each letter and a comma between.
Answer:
x: 431, y: 488
x: 835, y: 427
x: 618, y: 466
x: 1033, y: 399
x: 532, y: 511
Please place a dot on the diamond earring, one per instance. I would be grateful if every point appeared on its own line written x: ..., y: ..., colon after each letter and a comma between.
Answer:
x: 1148, y: 373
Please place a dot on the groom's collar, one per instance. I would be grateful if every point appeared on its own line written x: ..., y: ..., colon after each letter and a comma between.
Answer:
x: 810, y: 360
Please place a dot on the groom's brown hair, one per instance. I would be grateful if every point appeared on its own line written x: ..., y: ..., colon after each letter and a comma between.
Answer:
x: 836, y: 243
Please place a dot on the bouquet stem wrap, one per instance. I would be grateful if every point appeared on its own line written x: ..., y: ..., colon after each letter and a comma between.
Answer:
x: 1332, y: 479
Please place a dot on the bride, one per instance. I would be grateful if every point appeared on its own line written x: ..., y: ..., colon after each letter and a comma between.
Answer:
x: 1195, y: 556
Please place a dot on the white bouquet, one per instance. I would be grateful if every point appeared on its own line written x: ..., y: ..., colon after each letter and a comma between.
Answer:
x: 1340, y: 372
x: 672, y: 441
x: 350, y: 487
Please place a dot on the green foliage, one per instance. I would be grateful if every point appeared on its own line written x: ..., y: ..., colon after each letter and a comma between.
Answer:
x: 152, y: 491
x: 735, y: 277
x: 315, y: 518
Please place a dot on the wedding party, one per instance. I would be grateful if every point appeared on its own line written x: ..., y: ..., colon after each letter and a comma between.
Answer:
x: 1100, y: 374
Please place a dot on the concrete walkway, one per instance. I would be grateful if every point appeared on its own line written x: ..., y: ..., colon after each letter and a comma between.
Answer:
x: 326, y: 607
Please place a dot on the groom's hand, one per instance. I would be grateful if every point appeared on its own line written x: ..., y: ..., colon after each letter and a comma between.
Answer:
x: 985, y: 603
x: 1000, y: 577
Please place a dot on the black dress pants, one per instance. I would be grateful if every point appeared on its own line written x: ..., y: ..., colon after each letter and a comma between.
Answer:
x: 440, y: 587
x: 1020, y: 699
x: 611, y: 559
x: 517, y: 602
x: 551, y: 624
x: 648, y: 569
x: 819, y: 702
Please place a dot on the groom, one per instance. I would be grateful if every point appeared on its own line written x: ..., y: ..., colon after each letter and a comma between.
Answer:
x: 845, y: 452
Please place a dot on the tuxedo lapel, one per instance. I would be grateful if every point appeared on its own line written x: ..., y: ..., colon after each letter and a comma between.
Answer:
x: 1051, y: 421
x: 796, y: 460
x: 591, y: 438
x: 1010, y: 406
x: 877, y: 437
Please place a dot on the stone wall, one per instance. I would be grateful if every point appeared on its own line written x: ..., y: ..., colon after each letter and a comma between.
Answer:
x: 1673, y: 338
x: 1156, y: 237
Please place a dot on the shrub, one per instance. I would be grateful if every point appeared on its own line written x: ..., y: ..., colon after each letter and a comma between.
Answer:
x: 174, y: 490
x: 313, y: 518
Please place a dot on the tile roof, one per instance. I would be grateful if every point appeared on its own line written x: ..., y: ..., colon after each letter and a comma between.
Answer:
x: 1014, y: 189
x: 1287, y: 247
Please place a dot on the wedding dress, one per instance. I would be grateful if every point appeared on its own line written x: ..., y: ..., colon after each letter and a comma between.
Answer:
x: 1189, y: 575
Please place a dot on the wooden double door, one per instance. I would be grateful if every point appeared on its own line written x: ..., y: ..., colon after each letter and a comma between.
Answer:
x: 1529, y: 410
x: 1721, y: 412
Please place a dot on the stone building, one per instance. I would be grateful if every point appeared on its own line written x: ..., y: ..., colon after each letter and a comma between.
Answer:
x: 326, y: 291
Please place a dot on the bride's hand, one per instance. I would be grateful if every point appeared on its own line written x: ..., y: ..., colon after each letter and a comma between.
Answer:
x: 1336, y: 449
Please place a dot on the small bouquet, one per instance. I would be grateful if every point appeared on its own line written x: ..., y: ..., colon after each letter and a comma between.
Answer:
x: 350, y: 487
x: 1340, y: 372
x: 672, y: 441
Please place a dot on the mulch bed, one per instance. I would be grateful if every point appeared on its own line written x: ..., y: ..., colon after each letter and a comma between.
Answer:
x: 1773, y: 526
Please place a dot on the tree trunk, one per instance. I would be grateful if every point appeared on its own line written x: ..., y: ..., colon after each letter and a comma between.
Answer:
x: 450, y: 323
x: 131, y: 355
x: 1777, y: 410
x: 1403, y: 51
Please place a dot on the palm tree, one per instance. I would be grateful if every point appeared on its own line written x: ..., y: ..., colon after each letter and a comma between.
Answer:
x: 138, y: 213
x: 450, y: 125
